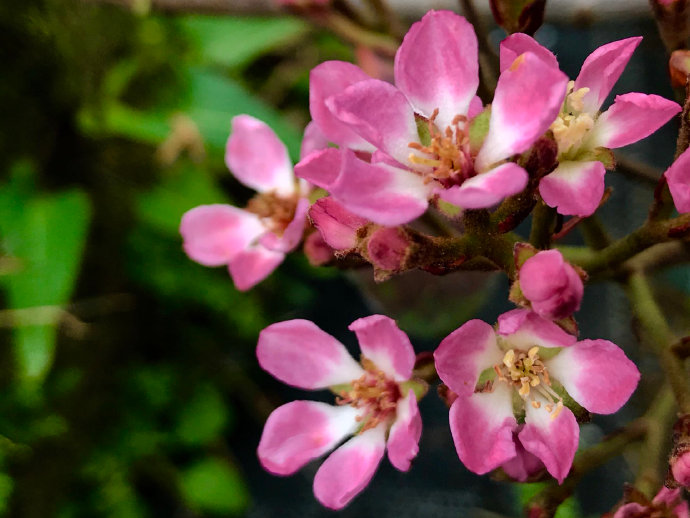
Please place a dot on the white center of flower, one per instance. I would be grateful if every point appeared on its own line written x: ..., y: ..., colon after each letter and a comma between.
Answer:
x: 448, y: 152
x: 528, y: 375
x: 572, y: 125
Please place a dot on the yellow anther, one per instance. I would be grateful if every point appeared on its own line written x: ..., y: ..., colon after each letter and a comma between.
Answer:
x: 559, y: 408
x: 575, y: 99
x: 524, y: 389
x: 536, y: 404
x: 509, y: 359
x: 532, y: 353
x: 418, y: 160
x: 535, y: 381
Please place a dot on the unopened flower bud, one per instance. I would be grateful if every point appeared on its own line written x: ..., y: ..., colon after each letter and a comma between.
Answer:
x: 518, y: 16
x: 387, y: 248
x: 679, y: 463
x: 679, y: 67
x: 552, y: 286
x: 317, y: 250
x: 337, y: 225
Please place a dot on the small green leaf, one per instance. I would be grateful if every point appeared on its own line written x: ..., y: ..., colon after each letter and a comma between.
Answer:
x: 202, y: 419
x: 234, y: 42
x: 214, y: 486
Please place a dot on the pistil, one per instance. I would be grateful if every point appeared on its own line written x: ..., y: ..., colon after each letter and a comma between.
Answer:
x: 375, y: 393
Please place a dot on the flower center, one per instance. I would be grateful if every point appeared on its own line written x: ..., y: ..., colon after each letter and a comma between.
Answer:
x: 448, y: 152
x: 276, y: 212
x: 572, y: 125
x: 528, y: 375
x: 375, y: 393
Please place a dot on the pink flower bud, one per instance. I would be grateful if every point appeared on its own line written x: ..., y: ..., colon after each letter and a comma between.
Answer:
x: 680, y: 468
x: 337, y: 225
x: 551, y: 285
x: 317, y: 250
x: 387, y: 248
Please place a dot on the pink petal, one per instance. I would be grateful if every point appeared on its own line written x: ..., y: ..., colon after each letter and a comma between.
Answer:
x: 300, y: 431
x: 320, y: 168
x: 379, y: 192
x: 631, y: 510
x: 300, y: 354
x: 528, y: 98
x: 403, y: 439
x: 251, y: 266
x: 601, y: 70
x: 379, y: 113
x: 214, y: 234
x: 437, y: 65
x: 487, y: 189
x: 382, y: 342
x: 553, y: 441
x: 257, y: 157
x: 476, y: 107
x: 632, y: 117
x: 519, y: 43
x: 292, y: 234
x: 337, y: 225
x: 317, y: 250
x: 596, y: 374
x: 524, y: 465
x: 464, y: 354
x: 327, y: 79
x: 348, y: 470
x: 678, y: 178
x: 670, y: 497
x: 524, y: 329
x: 574, y: 188
x: 482, y: 426
x: 313, y: 140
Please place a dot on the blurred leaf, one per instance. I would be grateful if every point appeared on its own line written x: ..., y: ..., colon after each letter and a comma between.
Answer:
x: 215, y: 100
x: 6, y: 486
x: 202, y: 419
x: 235, y: 42
x: 118, y: 119
x: 188, y: 186
x: 215, y: 486
x: 48, y: 237
x: 570, y: 508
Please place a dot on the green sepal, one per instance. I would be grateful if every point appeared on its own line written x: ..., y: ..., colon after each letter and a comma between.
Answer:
x: 317, y: 194
x: 339, y: 389
x: 516, y: 296
x: 522, y: 252
x: 418, y: 386
x: 423, y: 129
x: 448, y: 209
x: 599, y: 154
x: 479, y: 127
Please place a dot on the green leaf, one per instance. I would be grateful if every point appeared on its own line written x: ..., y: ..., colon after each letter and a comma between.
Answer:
x: 215, y: 100
x: 184, y: 188
x: 203, y: 418
x: 215, y: 486
x: 48, y: 237
x: 235, y: 42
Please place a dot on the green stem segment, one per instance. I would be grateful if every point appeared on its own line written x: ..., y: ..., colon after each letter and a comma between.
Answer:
x: 659, y: 336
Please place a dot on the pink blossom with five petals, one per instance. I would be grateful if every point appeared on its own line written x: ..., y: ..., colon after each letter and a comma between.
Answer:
x: 377, y: 404
x: 253, y: 241
x: 584, y: 133
x: 530, y: 360
x: 436, y: 76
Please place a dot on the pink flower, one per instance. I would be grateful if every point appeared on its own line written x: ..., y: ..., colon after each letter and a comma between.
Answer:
x: 252, y: 242
x: 376, y: 404
x: 520, y: 361
x: 668, y: 503
x: 337, y: 225
x: 576, y: 186
x: 680, y: 469
x: 436, y: 75
x: 678, y: 178
x: 552, y: 286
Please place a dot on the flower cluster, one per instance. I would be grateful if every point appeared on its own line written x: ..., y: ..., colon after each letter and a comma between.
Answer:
x: 516, y: 390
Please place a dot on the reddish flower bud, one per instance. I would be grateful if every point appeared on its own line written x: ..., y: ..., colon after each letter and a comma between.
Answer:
x: 679, y: 67
x: 518, y: 15
x: 387, y: 248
